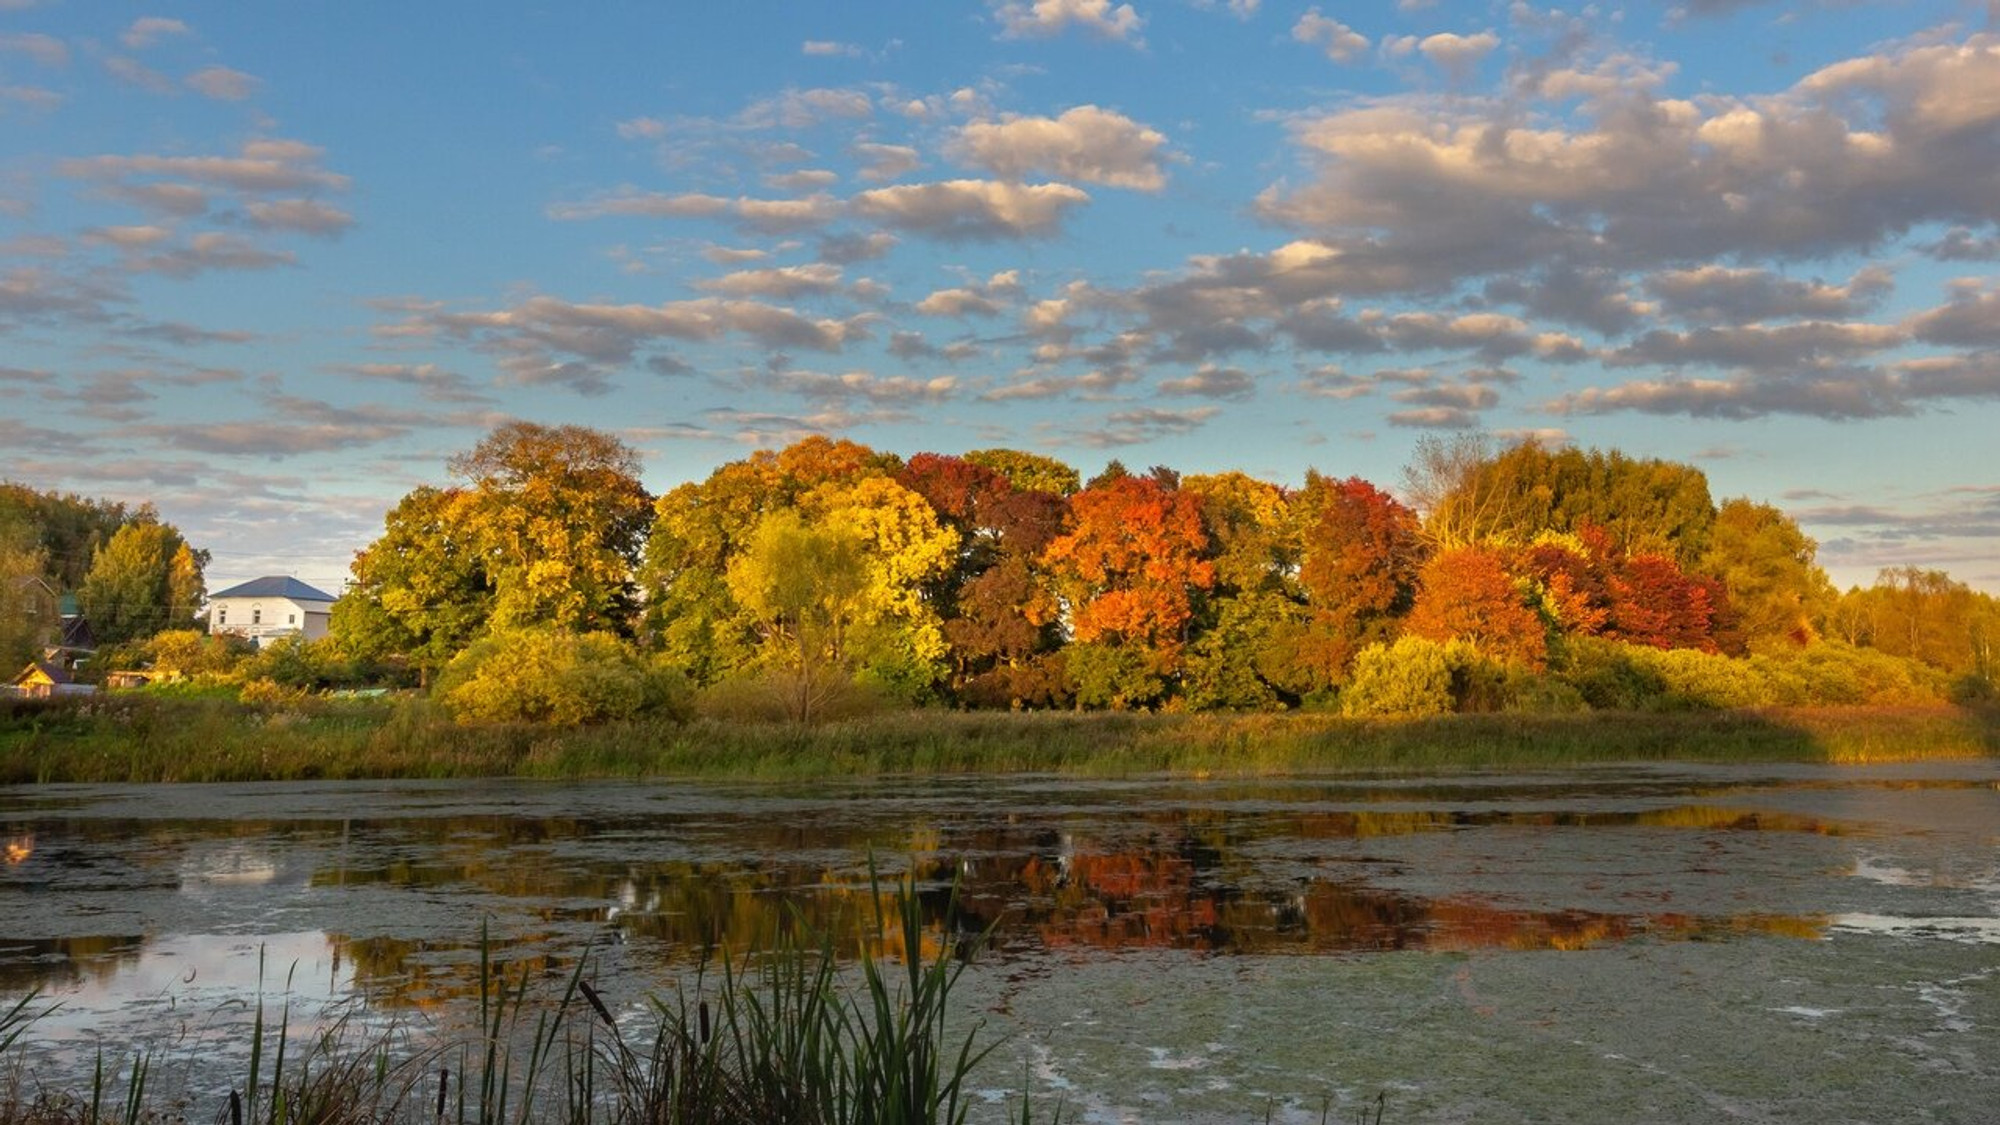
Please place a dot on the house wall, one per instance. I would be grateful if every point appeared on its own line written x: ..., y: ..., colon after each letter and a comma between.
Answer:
x: 261, y: 619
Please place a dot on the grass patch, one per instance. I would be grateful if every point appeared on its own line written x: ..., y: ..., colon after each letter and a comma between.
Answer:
x: 143, y: 738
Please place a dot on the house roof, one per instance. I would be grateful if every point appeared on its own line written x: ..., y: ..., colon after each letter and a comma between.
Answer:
x: 53, y: 673
x: 275, y: 586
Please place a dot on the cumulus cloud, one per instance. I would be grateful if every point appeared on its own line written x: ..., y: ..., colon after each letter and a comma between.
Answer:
x: 1737, y: 296
x: 223, y: 84
x: 988, y: 298
x: 433, y: 382
x: 260, y: 167
x: 971, y: 210
x: 1085, y: 143
x: 1137, y: 427
x: 848, y: 248
x: 1434, y: 190
x: 1971, y: 317
x: 1210, y: 381
x: 44, y: 49
x: 208, y: 252
x: 768, y: 216
x: 148, y: 30
x: 886, y: 162
x: 303, y: 216
x: 783, y: 282
x: 1043, y: 19
x: 1759, y: 346
x: 1341, y: 43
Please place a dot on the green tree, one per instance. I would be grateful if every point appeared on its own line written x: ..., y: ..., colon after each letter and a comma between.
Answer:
x: 144, y: 580
x: 27, y: 605
x: 545, y: 675
x: 808, y: 587
x: 1768, y: 566
x: 421, y: 592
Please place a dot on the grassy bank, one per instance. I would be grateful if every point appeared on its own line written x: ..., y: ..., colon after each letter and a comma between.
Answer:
x: 148, y: 738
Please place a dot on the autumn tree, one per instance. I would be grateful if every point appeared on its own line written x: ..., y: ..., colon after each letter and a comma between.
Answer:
x: 28, y: 611
x: 1238, y: 659
x: 1466, y: 593
x: 999, y: 614
x: 1362, y: 552
x: 1029, y: 472
x: 1767, y: 564
x: 422, y: 591
x: 143, y: 580
x: 560, y: 517
x: 1647, y: 507
x: 700, y: 527
x: 807, y: 586
x: 1128, y: 570
x: 1927, y: 616
x: 67, y: 529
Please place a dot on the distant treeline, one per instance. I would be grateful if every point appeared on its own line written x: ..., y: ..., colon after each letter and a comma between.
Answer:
x: 131, y: 575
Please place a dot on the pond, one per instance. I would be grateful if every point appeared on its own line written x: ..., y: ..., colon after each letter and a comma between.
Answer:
x: 1671, y: 943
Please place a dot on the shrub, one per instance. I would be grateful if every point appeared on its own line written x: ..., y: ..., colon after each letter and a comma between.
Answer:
x: 1409, y: 679
x: 190, y: 654
x: 550, y: 676
x: 1829, y: 672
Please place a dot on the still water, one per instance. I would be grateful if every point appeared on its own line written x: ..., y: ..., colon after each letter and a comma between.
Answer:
x: 1680, y: 943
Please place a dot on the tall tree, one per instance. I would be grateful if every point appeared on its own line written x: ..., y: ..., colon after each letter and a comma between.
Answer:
x: 27, y: 603
x: 421, y: 592
x: 561, y: 517
x: 999, y: 615
x: 143, y: 580
x: 1128, y: 569
x: 1363, y: 552
x: 1767, y: 564
x: 1241, y: 626
x: 1647, y: 507
x: 808, y: 587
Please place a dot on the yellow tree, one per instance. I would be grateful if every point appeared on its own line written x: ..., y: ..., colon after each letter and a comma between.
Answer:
x: 808, y: 586
x: 561, y: 518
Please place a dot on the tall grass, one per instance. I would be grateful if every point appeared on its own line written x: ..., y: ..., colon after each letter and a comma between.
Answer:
x: 138, y: 738
x: 786, y: 1038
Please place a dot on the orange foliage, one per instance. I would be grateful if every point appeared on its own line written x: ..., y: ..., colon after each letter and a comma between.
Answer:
x: 1466, y: 593
x: 1132, y: 561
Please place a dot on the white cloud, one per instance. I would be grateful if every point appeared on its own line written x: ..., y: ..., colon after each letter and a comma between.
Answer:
x: 826, y: 48
x: 146, y: 31
x: 956, y: 210
x: 1085, y: 143
x: 44, y: 49
x: 223, y: 84
x: 1341, y: 43
x: 1042, y: 19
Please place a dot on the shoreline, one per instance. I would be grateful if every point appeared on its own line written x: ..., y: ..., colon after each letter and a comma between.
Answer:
x: 153, y: 739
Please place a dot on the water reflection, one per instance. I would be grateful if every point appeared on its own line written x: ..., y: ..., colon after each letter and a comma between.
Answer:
x: 399, y: 882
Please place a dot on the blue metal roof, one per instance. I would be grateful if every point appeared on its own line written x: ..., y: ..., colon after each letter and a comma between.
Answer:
x: 275, y: 586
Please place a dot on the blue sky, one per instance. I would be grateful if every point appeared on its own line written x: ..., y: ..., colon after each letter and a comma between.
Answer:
x: 269, y: 265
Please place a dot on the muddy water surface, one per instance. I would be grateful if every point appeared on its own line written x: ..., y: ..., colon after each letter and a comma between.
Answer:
x: 1674, y: 943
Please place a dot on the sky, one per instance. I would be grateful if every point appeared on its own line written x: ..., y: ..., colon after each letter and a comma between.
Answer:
x: 268, y: 266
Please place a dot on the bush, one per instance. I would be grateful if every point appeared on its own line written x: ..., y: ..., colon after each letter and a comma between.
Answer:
x: 1829, y: 672
x: 550, y: 676
x: 1410, y: 679
x: 190, y: 654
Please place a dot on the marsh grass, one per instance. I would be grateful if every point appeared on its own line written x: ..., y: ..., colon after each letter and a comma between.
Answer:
x: 141, y: 738
x: 784, y: 1038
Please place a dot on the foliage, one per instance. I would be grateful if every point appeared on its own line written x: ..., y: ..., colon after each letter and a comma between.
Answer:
x: 68, y: 529
x: 1412, y: 678
x: 1359, y: 573
x: 1029, y: 472
x: 191, y: 654
x: 143, y: 580
x: 808, y: 586
x: 1646, y: 506
x: 559, y: 517
x: 28, y: 608
x: 422, y: 591
x: 1467, y: 594
x: 1924, y: 615
x: 546, y: 675
x: 1129, y: 569
x: 1767, y: 565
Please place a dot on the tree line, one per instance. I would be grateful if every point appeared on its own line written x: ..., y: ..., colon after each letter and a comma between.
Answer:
x: 825, y: 576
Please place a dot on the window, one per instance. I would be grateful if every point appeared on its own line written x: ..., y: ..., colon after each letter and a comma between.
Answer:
x: 291, y: 619
x: 222, y: 615
x: 256, y: 615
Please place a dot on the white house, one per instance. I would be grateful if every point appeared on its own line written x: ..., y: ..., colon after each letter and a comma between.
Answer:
x: 277, y: 606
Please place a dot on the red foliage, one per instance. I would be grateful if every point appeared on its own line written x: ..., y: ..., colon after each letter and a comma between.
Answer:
x: 1362, y: 551
x: 1132, y: 561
